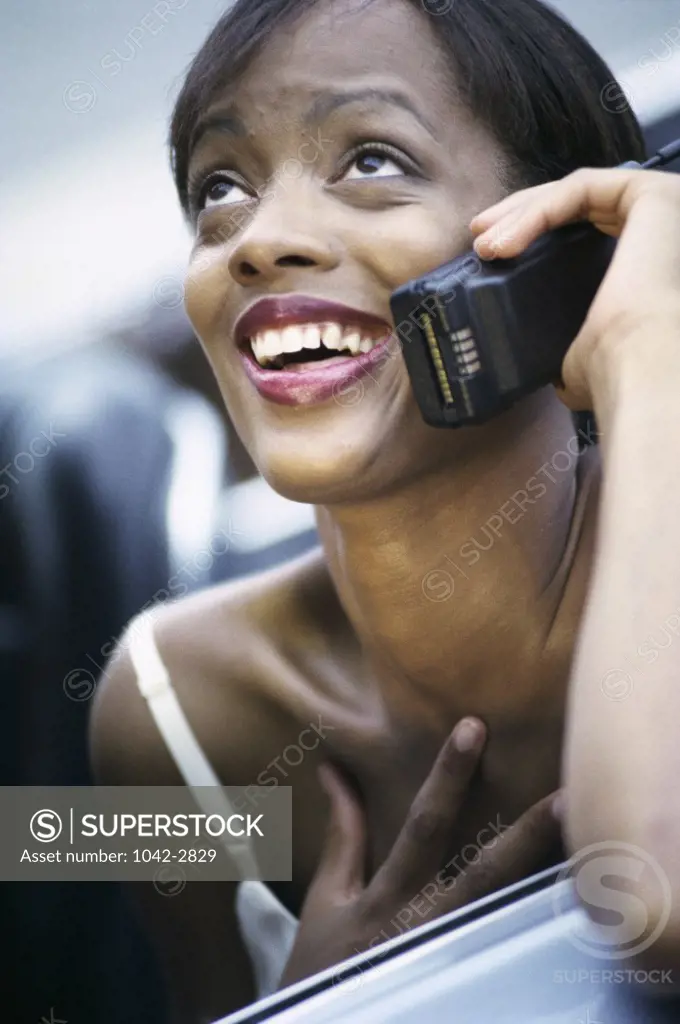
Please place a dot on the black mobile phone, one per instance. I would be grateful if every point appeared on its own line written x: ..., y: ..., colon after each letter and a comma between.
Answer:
x: 477, y: 335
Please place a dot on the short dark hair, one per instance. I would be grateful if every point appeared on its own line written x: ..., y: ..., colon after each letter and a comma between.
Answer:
x: 520, y: 68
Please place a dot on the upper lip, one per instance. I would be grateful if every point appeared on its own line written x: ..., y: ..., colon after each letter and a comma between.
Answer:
x: 275, y: 312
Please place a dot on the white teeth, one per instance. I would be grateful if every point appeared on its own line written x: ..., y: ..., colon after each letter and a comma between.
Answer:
x: 292, y: 339
x: 270, y: 344
x: 331, y: 335
x: 260, y: 349
x: 352, y: 341
x: 311, y: 335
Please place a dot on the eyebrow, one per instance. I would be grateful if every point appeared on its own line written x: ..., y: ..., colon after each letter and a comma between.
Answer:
x: 224, y: 121
x: 326, y: 102
x: 227, y: 121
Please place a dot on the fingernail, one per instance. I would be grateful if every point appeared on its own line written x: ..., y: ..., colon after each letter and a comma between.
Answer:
x: 467, y: 734
x: 485, y: 247
x: 557, y: 806
x: 325, y: 777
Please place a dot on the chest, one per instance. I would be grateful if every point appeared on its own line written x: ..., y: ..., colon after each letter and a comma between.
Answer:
x: 386, y: 775
x: 386, y: 755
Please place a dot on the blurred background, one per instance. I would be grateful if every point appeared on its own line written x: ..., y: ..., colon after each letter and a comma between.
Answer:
x: 121, y: 480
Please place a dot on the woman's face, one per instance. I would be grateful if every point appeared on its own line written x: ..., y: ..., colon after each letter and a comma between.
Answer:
x: 336, y: 169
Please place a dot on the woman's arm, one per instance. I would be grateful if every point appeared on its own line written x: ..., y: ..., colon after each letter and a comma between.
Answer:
x: 194, y: 932
x: 622, y: 751
x: 205, y: 969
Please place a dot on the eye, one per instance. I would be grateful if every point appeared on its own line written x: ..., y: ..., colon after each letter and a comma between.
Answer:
x: 374, y: 161
x: 219, y: 190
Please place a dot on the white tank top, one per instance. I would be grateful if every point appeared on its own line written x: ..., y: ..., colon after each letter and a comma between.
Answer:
x: 267, y: 927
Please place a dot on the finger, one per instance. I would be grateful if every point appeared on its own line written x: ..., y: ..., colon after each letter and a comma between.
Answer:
x: 422, y: 843
x: 598, y: 195
x: 342, y: 861
x: 493, y: 214
x: 518, y: 851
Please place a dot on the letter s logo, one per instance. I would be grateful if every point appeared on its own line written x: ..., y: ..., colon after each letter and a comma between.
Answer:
x: 601, y: 875
x: 46, y: 826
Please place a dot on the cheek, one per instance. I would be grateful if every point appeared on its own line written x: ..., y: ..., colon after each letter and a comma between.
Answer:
x: 205, y: 299
x: 204, y: 294
x: 416, y: 241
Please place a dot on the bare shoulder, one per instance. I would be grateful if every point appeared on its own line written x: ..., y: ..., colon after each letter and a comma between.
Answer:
x: 231, y: 652
x: 225, y: 652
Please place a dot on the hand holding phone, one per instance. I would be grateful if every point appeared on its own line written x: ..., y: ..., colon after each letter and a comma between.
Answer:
x: 478, y: 334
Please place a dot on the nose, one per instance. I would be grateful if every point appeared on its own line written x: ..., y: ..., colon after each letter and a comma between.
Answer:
x: 281, y: 236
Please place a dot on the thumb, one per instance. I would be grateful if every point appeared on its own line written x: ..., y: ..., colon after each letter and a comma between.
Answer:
x: 342, y: 859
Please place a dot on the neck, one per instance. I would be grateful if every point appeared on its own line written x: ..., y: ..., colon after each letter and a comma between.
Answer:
x: 451, y: 582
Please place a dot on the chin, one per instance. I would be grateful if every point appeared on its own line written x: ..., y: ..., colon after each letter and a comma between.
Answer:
x: 321, y: 478
x: 337, y: 455
x: 329, y: 467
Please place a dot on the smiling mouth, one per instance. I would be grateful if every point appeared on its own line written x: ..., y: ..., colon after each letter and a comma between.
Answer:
x: 296, y: 346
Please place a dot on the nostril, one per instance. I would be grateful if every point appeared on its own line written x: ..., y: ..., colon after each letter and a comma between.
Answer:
x: 294, y: 261
x: 248, y: 270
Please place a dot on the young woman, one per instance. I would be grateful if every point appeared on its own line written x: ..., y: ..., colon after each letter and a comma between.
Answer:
x: 325, y: 153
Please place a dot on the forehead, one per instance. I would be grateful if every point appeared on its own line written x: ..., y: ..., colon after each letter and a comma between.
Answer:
x: 387, y: 44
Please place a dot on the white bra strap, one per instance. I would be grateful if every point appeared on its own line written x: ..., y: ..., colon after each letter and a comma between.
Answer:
x: 155, y: 686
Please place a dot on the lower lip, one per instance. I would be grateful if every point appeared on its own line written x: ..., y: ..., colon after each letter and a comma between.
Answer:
x: 339, y: 379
